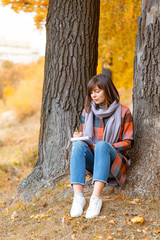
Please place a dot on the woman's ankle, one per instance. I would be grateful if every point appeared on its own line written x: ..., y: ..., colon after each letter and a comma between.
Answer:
x: 78, y: 188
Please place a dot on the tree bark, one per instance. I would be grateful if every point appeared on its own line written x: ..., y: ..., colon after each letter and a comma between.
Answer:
x: 144, y: 174
x: 70, y: 61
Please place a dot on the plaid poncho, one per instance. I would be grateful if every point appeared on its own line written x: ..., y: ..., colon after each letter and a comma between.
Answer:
x: 124, y: 143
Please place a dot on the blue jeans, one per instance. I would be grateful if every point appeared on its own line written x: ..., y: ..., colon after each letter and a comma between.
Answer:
x: 98, y: 164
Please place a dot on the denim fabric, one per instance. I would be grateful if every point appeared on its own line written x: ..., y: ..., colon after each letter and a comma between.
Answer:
x: 98, y: 164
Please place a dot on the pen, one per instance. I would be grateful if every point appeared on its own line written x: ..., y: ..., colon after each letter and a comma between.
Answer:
x: 77, y: 131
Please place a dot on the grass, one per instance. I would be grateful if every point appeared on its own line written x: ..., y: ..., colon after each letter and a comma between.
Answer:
x: 18, y: 154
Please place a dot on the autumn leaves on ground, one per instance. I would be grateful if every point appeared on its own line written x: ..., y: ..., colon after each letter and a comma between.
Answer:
x: 47, y: 215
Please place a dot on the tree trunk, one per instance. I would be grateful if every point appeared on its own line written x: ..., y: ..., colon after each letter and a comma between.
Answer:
x: 144, y: 174
x: 70, y: 61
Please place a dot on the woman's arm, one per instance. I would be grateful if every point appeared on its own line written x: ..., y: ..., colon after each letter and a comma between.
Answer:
x: 126, y: 134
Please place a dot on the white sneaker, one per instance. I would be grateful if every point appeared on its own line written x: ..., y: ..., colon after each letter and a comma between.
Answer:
x: 94, y: 207
x: 77, y: 206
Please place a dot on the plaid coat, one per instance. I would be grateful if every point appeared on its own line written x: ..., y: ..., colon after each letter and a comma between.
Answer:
x: 124, y: 143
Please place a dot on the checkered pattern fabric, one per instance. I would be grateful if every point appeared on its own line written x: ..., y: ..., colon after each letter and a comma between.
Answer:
x: 124, y: 143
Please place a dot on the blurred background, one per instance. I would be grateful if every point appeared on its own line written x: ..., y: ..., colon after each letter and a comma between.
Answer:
x: 22, y: 50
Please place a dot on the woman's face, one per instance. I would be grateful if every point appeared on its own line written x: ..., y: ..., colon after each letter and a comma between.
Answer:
x: 98, y: 95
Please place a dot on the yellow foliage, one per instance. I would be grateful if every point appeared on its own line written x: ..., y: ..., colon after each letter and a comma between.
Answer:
x: 40, y: 8
x: 117, y: 34
x: 8, y: 91
x: 26, y: 97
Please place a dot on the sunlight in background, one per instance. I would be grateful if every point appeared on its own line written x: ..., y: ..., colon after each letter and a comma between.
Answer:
x: 20, y: 27
x: 22, y: 43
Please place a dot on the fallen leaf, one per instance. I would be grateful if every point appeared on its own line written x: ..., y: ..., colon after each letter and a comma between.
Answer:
x: 157, y: 230
x: 43, y: 215
x: 146, y: 229
x: 83, y: 227
x: 63, y: 219
x: 7, y: 209
x: 14, y: 215
x: 111, y: 222
x: 112, y: 215
x: 119, y: 229
x: 118, y: 196
x: 132, y: 202
x: 137, y: 219
x: 108, y: 197
x: 126, y: 213
x: 2, y: 203
x: 45, y: 204
x: 73, y: 236
x: 39, y: 216
x: 51, y: 212
x: 109, y: 237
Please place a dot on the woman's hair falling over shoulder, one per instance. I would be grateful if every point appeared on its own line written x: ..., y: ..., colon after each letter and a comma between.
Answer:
x: 105, y: 83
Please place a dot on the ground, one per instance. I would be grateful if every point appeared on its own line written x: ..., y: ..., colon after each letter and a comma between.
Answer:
x: 47, y: 215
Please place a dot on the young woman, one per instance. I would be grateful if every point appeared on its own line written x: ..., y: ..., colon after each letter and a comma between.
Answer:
x: 110, y: 126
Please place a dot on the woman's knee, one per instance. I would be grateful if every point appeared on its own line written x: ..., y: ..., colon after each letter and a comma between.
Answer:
x: 79, y: 145
x: 102, y: 145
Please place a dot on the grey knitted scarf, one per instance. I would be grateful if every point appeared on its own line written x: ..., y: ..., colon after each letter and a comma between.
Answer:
x: 113, y: 126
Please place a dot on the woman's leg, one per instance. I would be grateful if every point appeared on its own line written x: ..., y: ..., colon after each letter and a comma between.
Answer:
x: 104, y: 155
x: 81, y: 158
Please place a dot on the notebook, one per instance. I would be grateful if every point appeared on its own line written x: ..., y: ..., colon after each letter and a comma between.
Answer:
x: 85, y: 139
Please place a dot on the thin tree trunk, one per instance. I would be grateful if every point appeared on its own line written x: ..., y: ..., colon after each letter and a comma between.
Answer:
x: 70, y: 61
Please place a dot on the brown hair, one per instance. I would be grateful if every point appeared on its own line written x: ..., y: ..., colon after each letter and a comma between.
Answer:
x: 105, y: 83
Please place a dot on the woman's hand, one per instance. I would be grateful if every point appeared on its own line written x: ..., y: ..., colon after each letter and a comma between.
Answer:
x: 75, y: 134
x: 92, y: 147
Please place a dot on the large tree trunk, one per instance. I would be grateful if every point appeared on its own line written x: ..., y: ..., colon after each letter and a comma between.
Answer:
x: 70, y: 61
x: 144, y: 174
